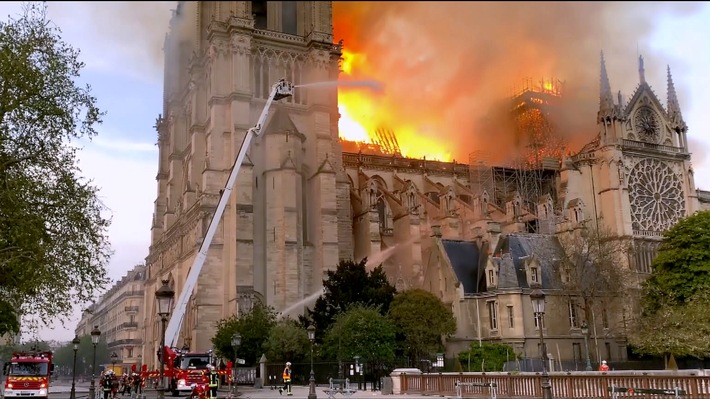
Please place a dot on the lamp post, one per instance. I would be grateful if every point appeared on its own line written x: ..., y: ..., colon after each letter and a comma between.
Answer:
x: 236, y: 341
x: 585, y: 332
x: 95, y: 335
x: 538, y: 303
x: 357, y: 370
x: 72, y: 394
x: 164, y: 296
x: 312, y: 381
x: 114, y: 358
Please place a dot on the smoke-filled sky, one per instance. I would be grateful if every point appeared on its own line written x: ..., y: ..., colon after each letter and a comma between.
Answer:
x: 442, y: 65
x: 445, y: 64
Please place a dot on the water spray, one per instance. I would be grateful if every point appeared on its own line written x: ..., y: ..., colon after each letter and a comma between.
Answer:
x: 372, y: 84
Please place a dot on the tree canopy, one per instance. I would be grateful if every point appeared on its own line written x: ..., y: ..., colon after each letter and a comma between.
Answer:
x: 288, y: 341
x: 349, y: 284
x: 361, y: 331
x: 254, y: 327
x: 53, y: 237
x: 674, y: 302
x: 682, y: 267
x: 421, y: 320
x: 592, y: 268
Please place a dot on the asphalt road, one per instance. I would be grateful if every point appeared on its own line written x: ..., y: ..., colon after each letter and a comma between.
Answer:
x: 60, y: 390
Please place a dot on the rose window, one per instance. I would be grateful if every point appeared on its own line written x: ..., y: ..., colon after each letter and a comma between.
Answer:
x: 656, y: 196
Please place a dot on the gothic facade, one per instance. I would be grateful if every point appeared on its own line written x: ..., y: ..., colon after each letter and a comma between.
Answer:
x: 301, y: 204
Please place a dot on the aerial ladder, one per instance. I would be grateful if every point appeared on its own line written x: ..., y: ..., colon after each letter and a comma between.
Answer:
x: 280, y: 90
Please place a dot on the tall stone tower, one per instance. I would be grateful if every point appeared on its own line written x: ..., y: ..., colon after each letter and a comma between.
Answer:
x: 287, y: 220
x: 636, y: 177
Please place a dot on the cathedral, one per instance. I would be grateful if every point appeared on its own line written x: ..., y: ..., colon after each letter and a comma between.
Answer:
x: 477, y: 236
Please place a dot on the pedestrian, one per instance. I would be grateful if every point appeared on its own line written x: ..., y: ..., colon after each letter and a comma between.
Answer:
x: 603, y: 366
x: 287, y: 380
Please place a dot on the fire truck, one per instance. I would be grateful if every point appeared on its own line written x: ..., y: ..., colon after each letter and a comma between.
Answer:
x: 27, y: 374
x: 184, y: 368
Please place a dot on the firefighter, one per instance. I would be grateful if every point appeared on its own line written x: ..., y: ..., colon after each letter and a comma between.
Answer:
x: 214, y: 381
x: 287, y: 380
x: 107, y: 384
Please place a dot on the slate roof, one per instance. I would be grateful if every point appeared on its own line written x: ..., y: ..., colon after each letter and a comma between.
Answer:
x: 516, y: 247
x: 464, y: 257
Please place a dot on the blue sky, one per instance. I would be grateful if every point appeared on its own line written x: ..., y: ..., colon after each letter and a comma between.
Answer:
x: 124, y: 66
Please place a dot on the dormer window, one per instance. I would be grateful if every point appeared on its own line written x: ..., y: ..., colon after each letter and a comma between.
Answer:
x: 491, y: 277
x: 534, y: 276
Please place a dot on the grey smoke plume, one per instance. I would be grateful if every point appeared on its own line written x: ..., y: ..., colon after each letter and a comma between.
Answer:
x: 444, y: 64
x: 457, y: 59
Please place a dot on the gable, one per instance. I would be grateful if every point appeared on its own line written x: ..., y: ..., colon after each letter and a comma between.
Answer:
x: 645, y: 113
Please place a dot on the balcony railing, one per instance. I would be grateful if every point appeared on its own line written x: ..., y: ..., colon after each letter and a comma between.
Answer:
x: 650, y: 146
x: 130, y: 324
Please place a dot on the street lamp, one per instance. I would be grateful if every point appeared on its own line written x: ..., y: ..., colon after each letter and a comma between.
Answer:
x: 312, y: 381
x: 585, y: 332
x: 72, y: 394
x: 236, y: 341
x: 340, y: 338
x: 114, y: 357
x: 164, y: 295
x: 95, y: 335
x: 538, y: 303
x: 357, y: 370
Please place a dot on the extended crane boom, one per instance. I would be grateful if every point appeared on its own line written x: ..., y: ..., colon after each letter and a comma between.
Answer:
x: 279, y: 90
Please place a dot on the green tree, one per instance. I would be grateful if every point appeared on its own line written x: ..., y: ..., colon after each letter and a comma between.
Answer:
x: 486, y: 357
x: 254, y: 326
x: 422, y: 320
x: 53, y: 238
x: 288, y: 341
x: 362, y: 331
x: 682, y: 266
x: 349, y: 284
x: 674, y: 329
x: 673, y: 316
x: 64, y: 356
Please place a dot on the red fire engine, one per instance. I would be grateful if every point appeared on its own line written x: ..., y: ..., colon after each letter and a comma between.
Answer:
x: 183, y: 368
x: 28, y: 374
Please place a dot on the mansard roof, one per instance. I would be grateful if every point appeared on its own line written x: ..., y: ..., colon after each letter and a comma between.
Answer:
x: 465, y: 258
x: 544, y: 248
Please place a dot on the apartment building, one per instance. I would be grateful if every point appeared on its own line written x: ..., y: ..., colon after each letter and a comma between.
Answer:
x: 118, y: 314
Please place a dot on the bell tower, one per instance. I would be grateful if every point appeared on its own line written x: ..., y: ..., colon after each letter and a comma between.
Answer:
x: 287, y: 221
x: 636, y: 175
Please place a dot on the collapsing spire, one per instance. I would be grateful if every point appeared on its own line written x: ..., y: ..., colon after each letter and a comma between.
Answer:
x: 642, y: 71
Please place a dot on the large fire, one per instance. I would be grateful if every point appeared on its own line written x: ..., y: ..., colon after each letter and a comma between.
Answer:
x: 362, y: 115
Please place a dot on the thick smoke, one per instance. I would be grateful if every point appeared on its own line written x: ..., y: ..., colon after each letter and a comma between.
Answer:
x: 128, y: 35
x: 445, y: 64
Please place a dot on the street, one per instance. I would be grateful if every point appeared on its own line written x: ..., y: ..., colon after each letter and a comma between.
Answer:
x: 61, y: 390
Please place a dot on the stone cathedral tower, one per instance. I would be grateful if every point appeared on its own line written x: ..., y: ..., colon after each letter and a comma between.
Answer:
x: 287, y: 220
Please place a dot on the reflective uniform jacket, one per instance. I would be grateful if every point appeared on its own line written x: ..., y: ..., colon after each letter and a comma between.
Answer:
x: 214, y: 379
x: 287, y: 375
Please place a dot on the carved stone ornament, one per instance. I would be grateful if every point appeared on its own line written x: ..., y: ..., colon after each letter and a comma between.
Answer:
x: 240, y: 45
x: 656, y: 196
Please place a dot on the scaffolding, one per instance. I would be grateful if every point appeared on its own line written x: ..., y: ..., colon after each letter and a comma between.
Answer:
x: 532, y: 168
x: 481, y: 174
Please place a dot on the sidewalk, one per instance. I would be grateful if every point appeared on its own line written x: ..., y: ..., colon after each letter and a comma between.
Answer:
x: 301, y: 392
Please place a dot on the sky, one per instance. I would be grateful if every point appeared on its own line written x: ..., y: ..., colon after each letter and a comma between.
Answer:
x: 124, y: 67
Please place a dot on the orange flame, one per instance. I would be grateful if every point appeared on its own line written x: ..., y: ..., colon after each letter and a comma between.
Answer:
x: 361, y: 114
